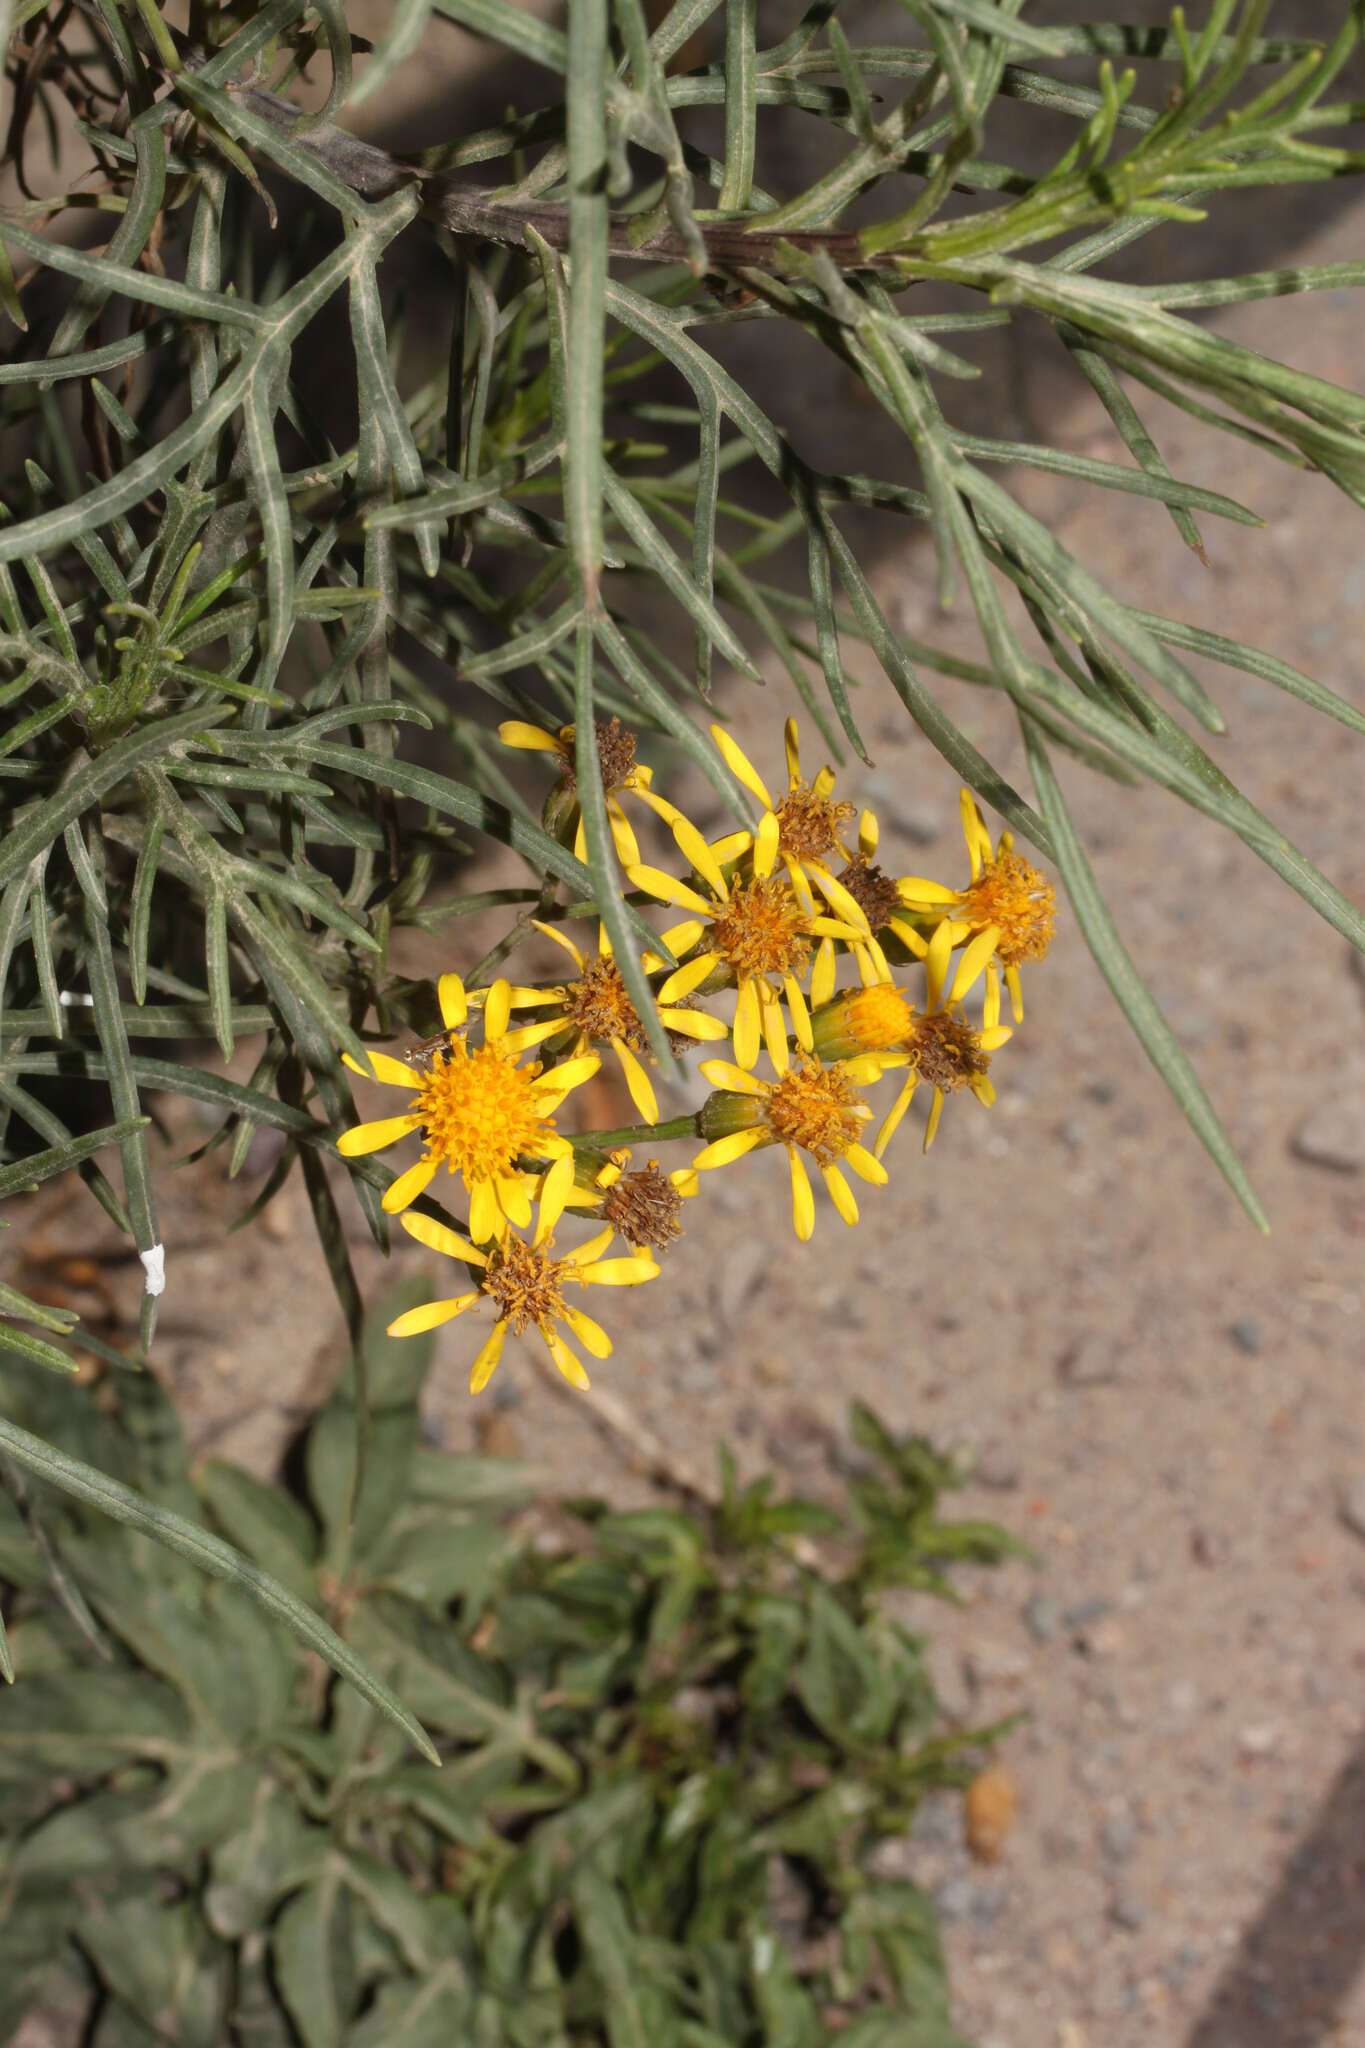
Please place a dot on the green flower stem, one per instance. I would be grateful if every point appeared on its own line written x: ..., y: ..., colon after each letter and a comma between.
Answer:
x: 637, y: 1134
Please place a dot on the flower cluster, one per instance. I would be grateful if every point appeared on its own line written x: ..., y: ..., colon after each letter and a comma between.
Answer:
x: 772, y: 916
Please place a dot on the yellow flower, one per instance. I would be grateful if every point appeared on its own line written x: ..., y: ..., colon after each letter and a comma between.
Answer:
x: 620, y: 770
x: 812, y: 1108
x: 526, y: 1284
x: 800, y: 828
x: 642, y: 1203
x: 941, y: 1046
x: 761, y: 937
x: 478, y: 1111
x: 598, y: 1009
x: 1005, y: 892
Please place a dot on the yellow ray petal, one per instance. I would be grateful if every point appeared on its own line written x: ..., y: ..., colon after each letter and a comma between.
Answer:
x: 681, y: 938
x: 766, y: 842
x: 489, y: 1354
x: 1012, y: 983
x: 667, y: 889
x: 383, y: 1067
x: 595, y: 1246
x: 993, y: 1037
x: 974, y: 832
x: 840, y: 902
x: 740, y: 766
x: 570, y: 1366
x: 803, y: 1201
x: 698, y: 854
x: 497, y: 1009
x: 688, y: 977
x: 363, y: 1138
x: 865, y: 1166
x: 774, y: 1028
x: 439, y: 1237
x: 637, y: 1081
x: 983, y: 1088
x: 935, y: 1112
x: 619, y: 1272
x: 791, y: 747
x: 699, y: 1024
x: 823, y: 975
x: 622, y: 837
x: 526, y: 1035
x: 684, y: 1179
x: 895, y: 1114
x: 556, y: 1186
x: 513, y: 1194
x: 722, y: 1075
x: 869, y: 834
x: 590, y: 1335
x: 722, y: 1151
x: 731, y: 847
x: 914, y: 941
x: 972, y: 965
x: 429, y: 1316
x: 840, y: 1193
x: 485, y: 1217
x: 515, y: 732
x: 550, y: 1090
x: 936, y: 962
x: 747, y: 1031
x: 453, y: 1002
x: 561, y: 938
x: 917, y: 892
x: 408, y: 1186
x: 800, y: 1015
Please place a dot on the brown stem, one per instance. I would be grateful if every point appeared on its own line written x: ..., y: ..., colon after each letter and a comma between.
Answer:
x: 477, y: 215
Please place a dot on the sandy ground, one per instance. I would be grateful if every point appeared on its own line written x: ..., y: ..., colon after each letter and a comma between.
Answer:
x: 1165, y: 1405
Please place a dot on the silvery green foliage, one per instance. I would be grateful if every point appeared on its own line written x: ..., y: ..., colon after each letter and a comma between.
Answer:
x: 250, y: 649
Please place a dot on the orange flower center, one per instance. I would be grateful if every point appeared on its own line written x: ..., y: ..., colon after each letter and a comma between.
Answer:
x: 478, y: 1113
x: 808, y: 825
x: 763, y: 930
x: 816, y: 1107
x: 1022, y: 903
x: 600, y: 1006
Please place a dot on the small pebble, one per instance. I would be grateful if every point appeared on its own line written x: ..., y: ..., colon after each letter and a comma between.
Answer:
x: 1041, y: 1617
x: 1246, y: 1335
x: 1334, y: 1134
x: 1352, y: 1506
x: 1085, y: 1612
x: 1208, y: 1546
x: 996, y: 1466
x: 1127, y: 1911
x: 1118, y: 1837
x: 1093, y: 1362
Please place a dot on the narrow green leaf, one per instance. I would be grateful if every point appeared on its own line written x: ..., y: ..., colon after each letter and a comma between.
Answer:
x: 1131, y: 993
x: 505, y: 23
x: 26, y: 1174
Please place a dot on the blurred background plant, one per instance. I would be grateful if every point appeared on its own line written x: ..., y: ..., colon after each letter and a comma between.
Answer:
x: 652, y: 1724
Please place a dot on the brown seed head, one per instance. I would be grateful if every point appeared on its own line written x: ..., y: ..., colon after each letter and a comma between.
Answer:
x: 525, y: 1282
x: 644, y: 1206
x: 598, y: 1003
x: 615, y: 752
x: 873, y: 890
x: 945, y: 1051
